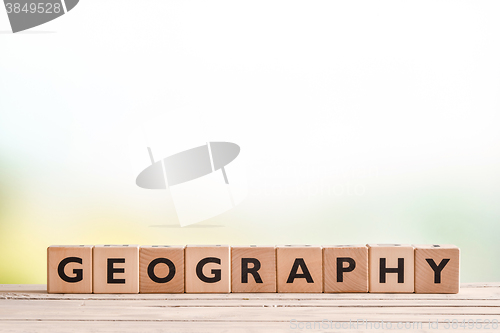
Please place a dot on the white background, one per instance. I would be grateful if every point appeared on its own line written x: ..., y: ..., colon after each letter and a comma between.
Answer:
x: 361, y: 121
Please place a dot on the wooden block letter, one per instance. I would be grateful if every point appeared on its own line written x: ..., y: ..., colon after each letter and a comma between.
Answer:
x: 299, y: 269
x: 116, y: 269
x: 253, y: 269
x: 345, y: 269
x: 208, y: 269
x: 437, y: 269
x: 69, y: 269
x: 161, y: 269
x: 391, y: 268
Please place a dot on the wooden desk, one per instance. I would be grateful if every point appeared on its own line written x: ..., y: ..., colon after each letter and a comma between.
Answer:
x: 28, y: 308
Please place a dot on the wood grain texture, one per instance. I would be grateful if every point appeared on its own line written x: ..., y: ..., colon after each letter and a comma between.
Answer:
x: 266, y: 256
x: 155, y: 256
x: 193, y: 255
x: 116, y: 269
x: 28, y: 308
x: 392, y: 254
x: 449, y: 278
x: 56, y: 254
x: 287, y: 257
x: 352, y: 281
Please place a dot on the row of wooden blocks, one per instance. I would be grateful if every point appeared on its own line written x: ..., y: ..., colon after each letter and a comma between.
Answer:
x: 379, y: 268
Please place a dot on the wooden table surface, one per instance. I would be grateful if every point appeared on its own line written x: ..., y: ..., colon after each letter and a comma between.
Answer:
x: 28, y: 308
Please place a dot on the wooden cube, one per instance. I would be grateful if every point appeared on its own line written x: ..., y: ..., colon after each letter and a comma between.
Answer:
x: 208, y: 269
x: 116, y: 269
x: 69, y: 269
x: 391, y: 268
x: 253, y: 269
x: 161, y: 269
x: 299, y: 269
x: 437, y: 269
x: 345, y: 269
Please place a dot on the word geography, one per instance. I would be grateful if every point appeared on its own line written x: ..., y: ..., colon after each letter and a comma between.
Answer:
x: 374, y: 268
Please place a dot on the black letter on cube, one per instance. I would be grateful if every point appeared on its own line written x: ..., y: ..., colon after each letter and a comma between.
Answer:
x: 216, y: 272
x: 112, y: 270
x: 245, y: 270
x: 78, y: 272
x: 400, y: 270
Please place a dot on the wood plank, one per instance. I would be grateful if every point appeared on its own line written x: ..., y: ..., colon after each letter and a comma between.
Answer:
x: 181, y: 327
x: 299, y: 303
x: 28, y: 308
x: 133, y: 310
x: 467, y: 291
